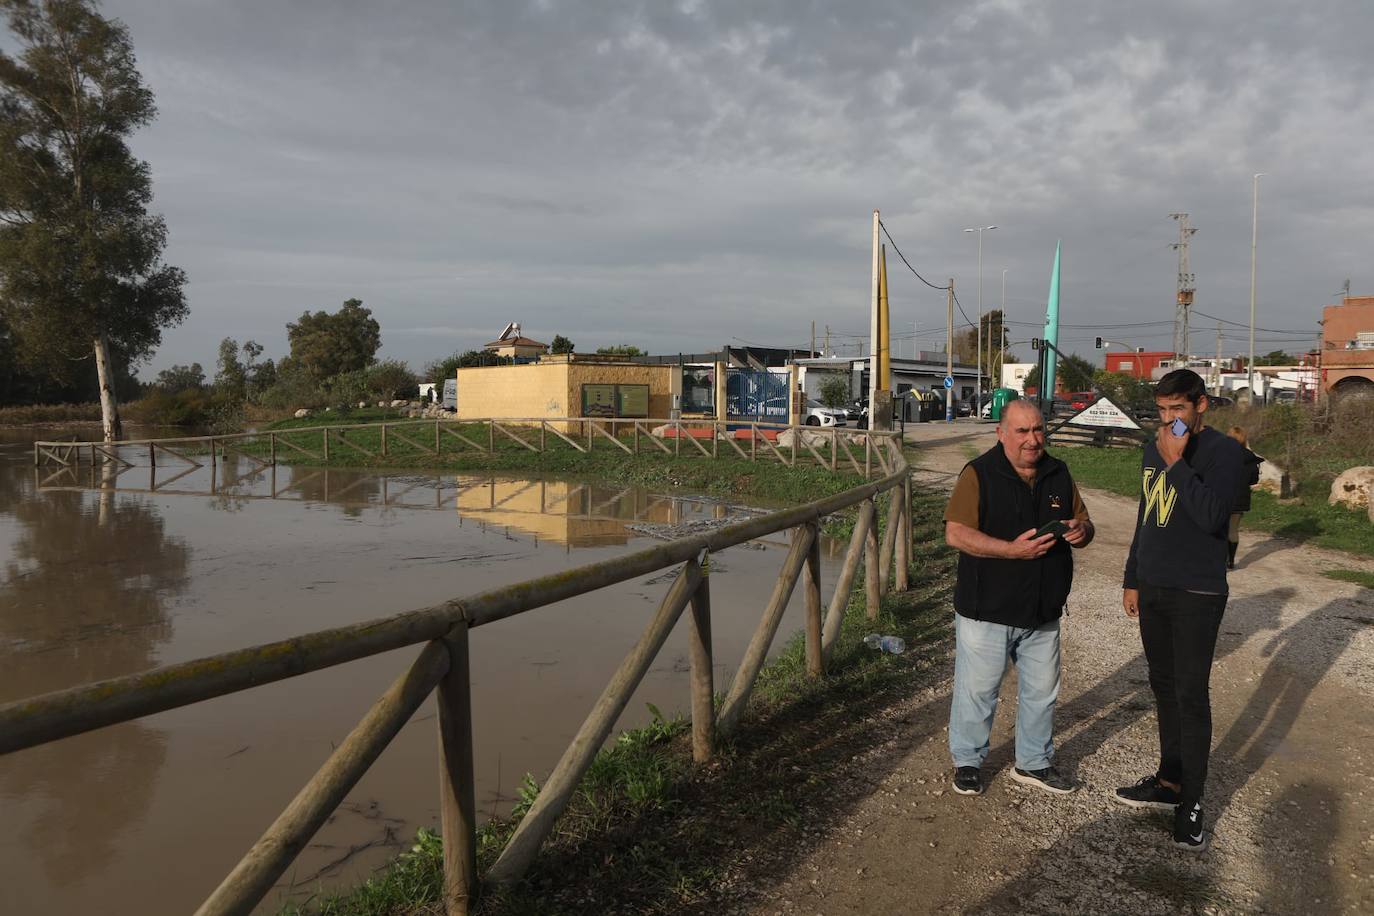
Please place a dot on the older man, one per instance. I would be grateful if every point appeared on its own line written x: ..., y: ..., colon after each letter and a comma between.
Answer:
x: 1014, y: 515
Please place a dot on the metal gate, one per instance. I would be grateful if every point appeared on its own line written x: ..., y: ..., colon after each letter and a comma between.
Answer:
x: 757, y: 394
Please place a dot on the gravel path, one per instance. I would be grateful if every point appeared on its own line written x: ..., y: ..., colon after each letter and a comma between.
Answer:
x: 1290, y: 796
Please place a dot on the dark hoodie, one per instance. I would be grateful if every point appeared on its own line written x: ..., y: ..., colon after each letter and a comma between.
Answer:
x: 1180, y: 531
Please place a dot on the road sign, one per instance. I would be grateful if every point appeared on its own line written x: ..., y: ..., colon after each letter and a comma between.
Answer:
x: 949, y: 381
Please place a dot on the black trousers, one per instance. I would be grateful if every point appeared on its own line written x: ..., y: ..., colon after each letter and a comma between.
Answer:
x: 1179, y: 632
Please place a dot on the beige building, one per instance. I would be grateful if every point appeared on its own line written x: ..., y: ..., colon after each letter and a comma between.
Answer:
x: 570, y: 385
x: 517, y: 347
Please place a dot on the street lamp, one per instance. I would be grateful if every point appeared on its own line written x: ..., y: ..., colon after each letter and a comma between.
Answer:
x: 978, y: 398
x: 1001, y: 334
x: 1254, y: 239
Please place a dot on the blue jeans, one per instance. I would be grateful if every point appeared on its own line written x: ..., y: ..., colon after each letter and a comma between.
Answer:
x: 980, y: 659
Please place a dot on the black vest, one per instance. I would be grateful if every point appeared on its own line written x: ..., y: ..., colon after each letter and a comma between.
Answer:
x: 1017, y: 593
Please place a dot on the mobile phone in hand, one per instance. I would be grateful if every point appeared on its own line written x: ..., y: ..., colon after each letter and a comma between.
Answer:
x: 1054, y: 527
x: 1179, y: 427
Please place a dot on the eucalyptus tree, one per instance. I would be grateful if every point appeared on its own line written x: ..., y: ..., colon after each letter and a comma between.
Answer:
x: 81, y: 271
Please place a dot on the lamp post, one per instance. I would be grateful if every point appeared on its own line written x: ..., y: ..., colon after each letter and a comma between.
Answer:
x: 1001, y: 336
x: 1254, y: 239
x: 978, y: 397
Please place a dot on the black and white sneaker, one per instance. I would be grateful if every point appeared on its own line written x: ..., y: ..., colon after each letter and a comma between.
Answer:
x: 1188, y: 832
x: 1149, y: 792
x: 968, y: 781
x: 1049, y: 779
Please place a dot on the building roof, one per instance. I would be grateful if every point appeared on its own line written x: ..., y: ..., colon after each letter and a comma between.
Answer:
x: 516, y: 342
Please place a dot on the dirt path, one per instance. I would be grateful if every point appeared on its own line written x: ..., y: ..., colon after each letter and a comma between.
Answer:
x: 1290, y: 796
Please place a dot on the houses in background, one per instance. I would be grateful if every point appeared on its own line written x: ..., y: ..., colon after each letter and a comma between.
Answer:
x: 736, y: 383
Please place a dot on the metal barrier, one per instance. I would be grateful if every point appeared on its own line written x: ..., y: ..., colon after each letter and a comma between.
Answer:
x: 442, y: 664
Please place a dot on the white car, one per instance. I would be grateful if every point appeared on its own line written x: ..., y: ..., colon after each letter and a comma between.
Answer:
x: 817, y: 414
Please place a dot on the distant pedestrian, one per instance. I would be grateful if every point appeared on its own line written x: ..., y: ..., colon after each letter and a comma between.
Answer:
x: 1175, y: 585
x: 1249, y: 478
x: 1014, y: 515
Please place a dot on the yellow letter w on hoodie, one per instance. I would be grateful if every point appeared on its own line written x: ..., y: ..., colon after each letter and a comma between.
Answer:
x: 1159, y: 497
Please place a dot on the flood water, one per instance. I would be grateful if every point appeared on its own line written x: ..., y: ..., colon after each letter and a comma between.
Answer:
x: 102, y: 577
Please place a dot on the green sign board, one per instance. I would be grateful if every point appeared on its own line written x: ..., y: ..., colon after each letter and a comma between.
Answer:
x: 598, y: 400
x: 630, y: 401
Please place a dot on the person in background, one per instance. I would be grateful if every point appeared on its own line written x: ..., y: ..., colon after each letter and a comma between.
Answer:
x: 1249, y: 478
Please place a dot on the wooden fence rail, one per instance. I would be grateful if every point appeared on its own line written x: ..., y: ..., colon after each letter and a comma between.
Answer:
x: 826, y: 446
x: 442, y: 666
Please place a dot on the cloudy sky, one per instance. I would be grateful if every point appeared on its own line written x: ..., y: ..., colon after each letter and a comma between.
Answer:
x: 685, y: 175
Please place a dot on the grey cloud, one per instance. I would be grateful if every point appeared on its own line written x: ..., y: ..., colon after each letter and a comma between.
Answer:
x: 676, y: 175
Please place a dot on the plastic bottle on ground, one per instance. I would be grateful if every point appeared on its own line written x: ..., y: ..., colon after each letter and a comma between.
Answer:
x: 893, y: 645
x: 873, y: 641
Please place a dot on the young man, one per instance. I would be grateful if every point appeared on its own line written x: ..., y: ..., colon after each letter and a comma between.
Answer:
x: 1011, y: 588
x: 1175, y: 585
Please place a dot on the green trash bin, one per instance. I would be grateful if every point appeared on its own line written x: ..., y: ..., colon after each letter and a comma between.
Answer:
x: 1001, y: 397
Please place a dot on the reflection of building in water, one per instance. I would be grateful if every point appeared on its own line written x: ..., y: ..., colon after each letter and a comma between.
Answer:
x: 571, y: 513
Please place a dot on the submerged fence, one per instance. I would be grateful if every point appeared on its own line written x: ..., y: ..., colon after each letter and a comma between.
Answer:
x: 442, y: 666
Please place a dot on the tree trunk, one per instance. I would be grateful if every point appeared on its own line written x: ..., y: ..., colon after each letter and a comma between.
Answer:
x: 109, y: 408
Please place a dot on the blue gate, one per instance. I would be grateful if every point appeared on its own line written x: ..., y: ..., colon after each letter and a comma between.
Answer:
x: 757, y: 394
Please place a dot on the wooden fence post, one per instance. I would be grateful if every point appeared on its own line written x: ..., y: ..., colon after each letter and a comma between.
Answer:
x: 894, y: 523
x: 903, y: 556
x: 457, y: 802
x: 839, y: 601
x: 491, y: 436
x: 872, y: 597
x: 812, y: 589
x: 383, y: 440
x: 272, y: 448
x: 325, y: 433
x: 436, y: 439
x: 703, y: 677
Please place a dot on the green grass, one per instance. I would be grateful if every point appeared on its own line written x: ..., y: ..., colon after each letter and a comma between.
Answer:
x: 650, y: 832
x: 1309, y: 519
x: 1359, y: 577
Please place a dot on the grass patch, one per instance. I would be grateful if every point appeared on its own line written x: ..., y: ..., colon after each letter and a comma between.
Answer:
x: 648, y: 832
x: 1359, y: 577
x: 1309, y: 519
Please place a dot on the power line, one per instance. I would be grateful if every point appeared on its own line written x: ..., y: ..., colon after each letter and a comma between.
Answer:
x: 908, y: 263
x: 1241, y: 324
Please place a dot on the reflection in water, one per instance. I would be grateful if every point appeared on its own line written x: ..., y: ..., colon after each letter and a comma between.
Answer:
x: 96, y: 564
x: 569, y: 513
x: 82, y: 596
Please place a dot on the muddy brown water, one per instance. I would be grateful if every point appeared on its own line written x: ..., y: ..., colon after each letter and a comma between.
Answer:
x: 100, y: 578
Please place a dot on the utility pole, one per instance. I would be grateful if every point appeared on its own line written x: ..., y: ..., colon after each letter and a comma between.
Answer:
x: 1218, y: 367
x: 1254, y: 245
x: 813, y: 339
x: 827, y: 340
x: 949, y: 350
x: 873, y: 329
x: 1186, y: 287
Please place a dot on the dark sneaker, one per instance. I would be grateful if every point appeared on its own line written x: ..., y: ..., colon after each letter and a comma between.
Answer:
x: 1049, y: 779
x: 1149, y: 792
x: 968, y: 781
x: 1188, y: 832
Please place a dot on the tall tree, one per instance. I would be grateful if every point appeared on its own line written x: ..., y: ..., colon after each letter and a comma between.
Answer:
x: 326, y: 345
x: 81, y: 267
x: 561, y: 344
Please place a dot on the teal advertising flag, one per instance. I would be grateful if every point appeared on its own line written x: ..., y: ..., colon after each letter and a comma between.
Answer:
x: 1052, y: 328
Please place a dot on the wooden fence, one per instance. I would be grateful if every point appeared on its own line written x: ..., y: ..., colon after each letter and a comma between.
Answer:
x: 442, y: 665
x: 834, y: 447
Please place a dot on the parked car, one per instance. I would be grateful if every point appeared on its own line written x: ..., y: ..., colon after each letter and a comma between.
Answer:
x: 1082, y: 400
x: 857, y: 414
x: 817, y: 414
x: 1221, y: 400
